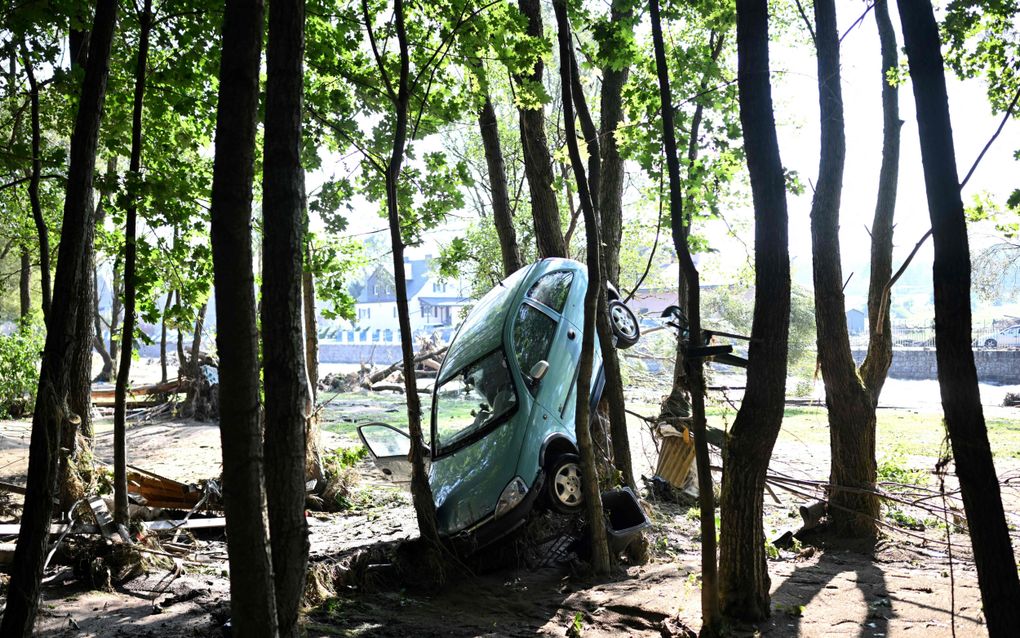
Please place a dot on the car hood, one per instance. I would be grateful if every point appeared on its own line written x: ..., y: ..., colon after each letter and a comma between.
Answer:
x: 467, y: 483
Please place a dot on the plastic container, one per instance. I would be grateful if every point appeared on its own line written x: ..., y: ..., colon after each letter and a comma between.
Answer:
x: 625, y: 519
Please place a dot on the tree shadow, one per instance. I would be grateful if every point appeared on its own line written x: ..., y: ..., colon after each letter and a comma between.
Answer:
x: 791, y: 600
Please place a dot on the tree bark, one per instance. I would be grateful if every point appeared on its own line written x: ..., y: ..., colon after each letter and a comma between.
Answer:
x: 694, y: 366
x: 162, y: 338
x: 313, y: 452
x: 97, y: 325
x: 879, y: 356
x: 25, y: 284
x: 502, y: 215
x: 55, y: 377
x: 537, y: 160
x: 613, y: 391
x: 850, y: 412
x: 677, y: 406
x: 252, y: 599
x: 421, y: 491
x: 610, y: 193
x: 196, y: 342
x: 115, y: 307
x: 958, y: 382
x: 744, y: 580
x: 601, y: 559
x: 120, y: 499
x: 288, y: 403
x: 33, y: 185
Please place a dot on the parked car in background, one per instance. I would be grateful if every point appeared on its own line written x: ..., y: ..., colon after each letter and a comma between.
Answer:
x: 1008, y: 338
x: 502, y: 432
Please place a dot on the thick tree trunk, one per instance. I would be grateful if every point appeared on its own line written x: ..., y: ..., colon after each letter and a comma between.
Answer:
x: 610, y: 194
x: 25, y: 284
x: 252, y: 599
x: 55, y: 378
x: 744, y: 580
x: 537, y: 159
x: 693, y: 366
x: 851, y: 415
x: 194, y: 363
x: 33, y: 185
x: 601, y: 559
x: 313, y: 452
x: 502, y: 216
x: 879, y: 356
x: 120, y: 500
x: 288, y: 403
x: 961, y: 401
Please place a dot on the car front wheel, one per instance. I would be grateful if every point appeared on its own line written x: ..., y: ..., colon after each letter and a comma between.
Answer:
x: 991, y: 343
x: 625, y: 324
x: 564, y: 484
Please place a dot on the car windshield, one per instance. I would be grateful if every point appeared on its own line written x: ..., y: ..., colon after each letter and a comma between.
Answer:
x: 474, y: 397
x: 483, y: 329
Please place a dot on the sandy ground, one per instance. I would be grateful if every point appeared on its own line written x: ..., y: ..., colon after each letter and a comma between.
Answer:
x: 905, y: 587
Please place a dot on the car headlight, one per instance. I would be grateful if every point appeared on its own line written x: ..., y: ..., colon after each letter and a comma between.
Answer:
x: 511, y: 497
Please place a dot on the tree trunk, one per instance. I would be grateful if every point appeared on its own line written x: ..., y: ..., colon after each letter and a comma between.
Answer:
x: 252, y: 599
x: 502, y: 216
x: 537, y: 160
x: 313, y: 452
x: 610, y: 194
x: 851, y: 415
x: 694, y: 366
x: 33, y: 184
x: 97, y: 325
x: 961, y: 402
x: 601, y: 559
x: 421, y: 492
x: 120, y: 499
x: 194, y: 363
x: 879, y: 356
x: 744, y: 580
x: 288, y: 403
x: 677, y: 405
x: 25, y: 284
x: 115, y: 308
x: 610, y: 360
x: 55, y: 378
x: 162, y: 338
x: 182, y: 358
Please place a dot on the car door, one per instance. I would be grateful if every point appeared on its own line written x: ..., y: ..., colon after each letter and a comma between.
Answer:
x: 389, y: 449
x: 1012, y: 337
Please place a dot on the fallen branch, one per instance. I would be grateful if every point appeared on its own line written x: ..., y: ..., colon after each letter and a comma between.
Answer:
x: 387, y: 371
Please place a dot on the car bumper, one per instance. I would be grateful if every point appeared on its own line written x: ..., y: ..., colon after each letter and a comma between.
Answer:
x: 491, y: 529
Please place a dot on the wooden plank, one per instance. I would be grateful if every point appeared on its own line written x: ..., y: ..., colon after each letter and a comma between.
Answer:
x: 193, y: 523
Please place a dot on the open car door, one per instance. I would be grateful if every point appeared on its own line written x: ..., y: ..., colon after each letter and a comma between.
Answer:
x: 389, y: 449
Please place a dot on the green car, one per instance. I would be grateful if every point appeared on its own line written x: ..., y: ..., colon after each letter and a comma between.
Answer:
x: 502, y: 426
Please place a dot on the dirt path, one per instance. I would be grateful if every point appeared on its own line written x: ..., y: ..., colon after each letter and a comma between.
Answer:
x: 905, y: 591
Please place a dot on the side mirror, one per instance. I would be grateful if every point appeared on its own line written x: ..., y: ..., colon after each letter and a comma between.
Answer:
x: 538, y: 370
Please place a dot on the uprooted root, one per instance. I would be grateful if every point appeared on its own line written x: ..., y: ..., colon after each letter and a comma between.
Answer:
x: 102, y: 564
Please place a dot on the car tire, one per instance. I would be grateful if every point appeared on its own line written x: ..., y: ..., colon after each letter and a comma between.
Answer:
x: 624, y: 323
x: 991, y: 343
x: 563, y: 484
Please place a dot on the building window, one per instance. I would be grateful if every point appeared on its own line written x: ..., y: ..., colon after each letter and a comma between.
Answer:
x: 438, y: 287
x: 394, y: 312
x: 388, y: 335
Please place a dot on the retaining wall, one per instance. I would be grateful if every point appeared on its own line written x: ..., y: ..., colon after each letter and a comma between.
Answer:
x: 993, y: 366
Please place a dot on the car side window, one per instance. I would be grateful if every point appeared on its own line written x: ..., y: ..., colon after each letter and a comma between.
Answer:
x: 552, y: 290
x: 533, y: 336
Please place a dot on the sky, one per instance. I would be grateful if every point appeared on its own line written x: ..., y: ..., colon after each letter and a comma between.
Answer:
x: 795, y: 95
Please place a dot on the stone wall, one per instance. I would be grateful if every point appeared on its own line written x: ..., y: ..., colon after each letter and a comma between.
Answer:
x: 993, y: 366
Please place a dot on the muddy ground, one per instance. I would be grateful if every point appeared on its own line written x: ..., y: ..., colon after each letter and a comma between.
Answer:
x: 904, y: 586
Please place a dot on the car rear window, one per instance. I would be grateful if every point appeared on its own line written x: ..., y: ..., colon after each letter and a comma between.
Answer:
x: 552, y: 290
x: 533, y: 335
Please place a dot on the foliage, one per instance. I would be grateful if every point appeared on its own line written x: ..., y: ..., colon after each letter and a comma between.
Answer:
x: 19, y: 361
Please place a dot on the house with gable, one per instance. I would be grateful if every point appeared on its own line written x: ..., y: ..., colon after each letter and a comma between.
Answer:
x: 435, y: 306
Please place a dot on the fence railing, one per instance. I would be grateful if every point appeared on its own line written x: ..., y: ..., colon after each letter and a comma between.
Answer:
x: 983, y: 335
